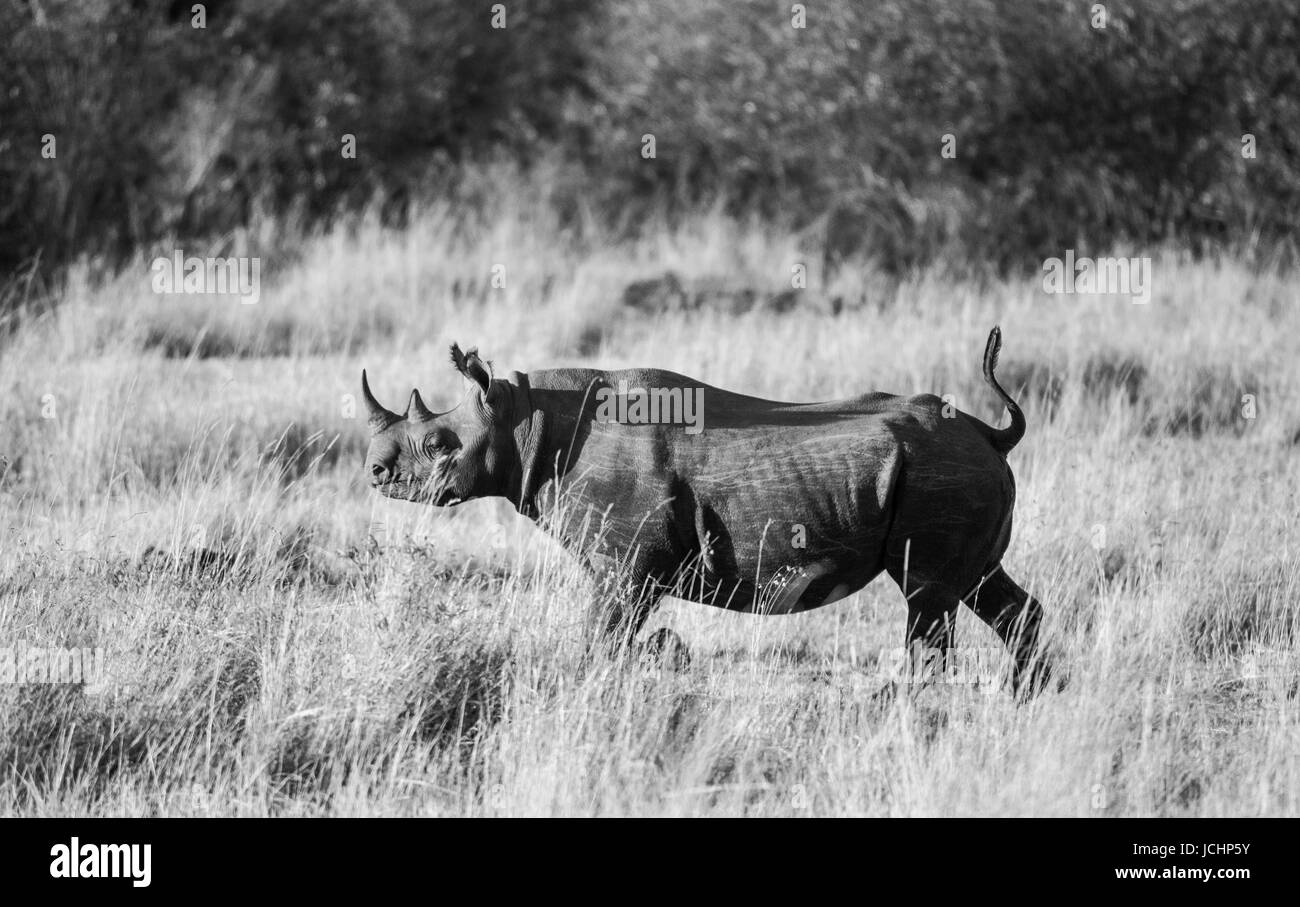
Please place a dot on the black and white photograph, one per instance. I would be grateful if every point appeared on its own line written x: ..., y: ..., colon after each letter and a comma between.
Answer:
x: 430, y: 409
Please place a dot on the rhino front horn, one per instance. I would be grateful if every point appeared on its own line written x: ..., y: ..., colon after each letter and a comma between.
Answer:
x: 379, y: 418
x: 416, y: 410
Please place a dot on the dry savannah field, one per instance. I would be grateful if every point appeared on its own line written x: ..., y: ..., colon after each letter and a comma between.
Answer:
x: 182, y: 489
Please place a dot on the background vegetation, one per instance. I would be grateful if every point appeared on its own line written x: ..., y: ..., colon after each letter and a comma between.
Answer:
x: 1066, y: 134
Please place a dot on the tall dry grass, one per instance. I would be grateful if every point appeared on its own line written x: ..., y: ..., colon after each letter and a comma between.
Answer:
x: 280, y: 641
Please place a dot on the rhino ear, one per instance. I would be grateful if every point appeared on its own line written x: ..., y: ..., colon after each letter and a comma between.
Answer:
x: 472, y: 367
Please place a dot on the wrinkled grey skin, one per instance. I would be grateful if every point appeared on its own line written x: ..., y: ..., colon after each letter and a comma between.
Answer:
x: 772, y: 508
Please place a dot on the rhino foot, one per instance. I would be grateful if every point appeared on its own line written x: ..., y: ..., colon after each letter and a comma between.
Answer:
x: 665, y: 649
x: 893, y: 692
x: 1039, y: 677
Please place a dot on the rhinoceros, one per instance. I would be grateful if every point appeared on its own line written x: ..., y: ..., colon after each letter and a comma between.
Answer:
x: 729, y: 500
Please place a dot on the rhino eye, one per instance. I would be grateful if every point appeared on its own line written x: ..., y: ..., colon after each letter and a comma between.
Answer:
x: 440, y: 441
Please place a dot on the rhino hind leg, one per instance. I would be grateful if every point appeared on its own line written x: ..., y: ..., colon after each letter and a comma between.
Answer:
x: 931, y: 629
x: 1015, y: 616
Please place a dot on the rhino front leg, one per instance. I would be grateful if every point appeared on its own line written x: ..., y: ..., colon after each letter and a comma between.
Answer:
x: 618, y: 614
x: 619, y: 610
x: 1015, y: 616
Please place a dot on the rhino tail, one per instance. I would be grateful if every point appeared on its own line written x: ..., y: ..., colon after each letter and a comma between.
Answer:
x: 1002, y: 439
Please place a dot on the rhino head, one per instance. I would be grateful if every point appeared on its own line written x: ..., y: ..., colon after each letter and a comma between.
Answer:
x: 445, y: 458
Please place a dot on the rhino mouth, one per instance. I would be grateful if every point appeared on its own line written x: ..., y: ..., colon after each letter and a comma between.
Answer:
x: 435, y: 489
x: 396, y: 488
x: 415, y: 492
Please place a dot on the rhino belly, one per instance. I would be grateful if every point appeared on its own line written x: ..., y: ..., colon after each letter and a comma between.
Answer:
x: 788, y: 591
x: 808, y: 587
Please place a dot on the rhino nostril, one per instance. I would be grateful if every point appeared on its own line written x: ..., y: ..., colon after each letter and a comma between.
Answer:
x: 378, y: 473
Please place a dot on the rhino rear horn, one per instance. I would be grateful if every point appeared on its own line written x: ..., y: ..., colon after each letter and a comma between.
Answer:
x: 378, y: 417
x: 416, y: 410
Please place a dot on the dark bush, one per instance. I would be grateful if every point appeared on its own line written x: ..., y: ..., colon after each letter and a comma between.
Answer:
x: 1066, y: 135
x: 166, y: 132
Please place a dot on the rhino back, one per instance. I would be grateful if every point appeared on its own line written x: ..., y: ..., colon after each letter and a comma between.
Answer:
x: 728, y: 407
